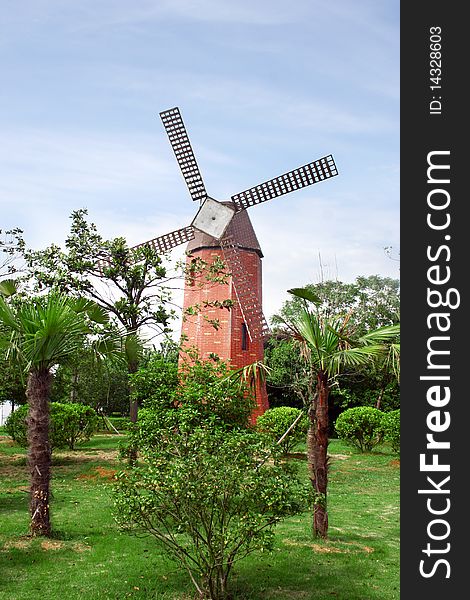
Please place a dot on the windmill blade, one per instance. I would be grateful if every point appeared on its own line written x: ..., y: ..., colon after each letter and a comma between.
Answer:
x: 313, y: 172
x: 179, y: 141
x: 250, y: 306
x: 167, y: 242
x: 161, y: 244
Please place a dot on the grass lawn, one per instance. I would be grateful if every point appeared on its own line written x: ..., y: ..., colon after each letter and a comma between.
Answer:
x: 89, y: 559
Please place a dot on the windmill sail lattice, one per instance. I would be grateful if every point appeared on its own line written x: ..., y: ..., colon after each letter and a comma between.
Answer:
x: 313, y: 172
x: 181, y: 145
x: 167, y: 242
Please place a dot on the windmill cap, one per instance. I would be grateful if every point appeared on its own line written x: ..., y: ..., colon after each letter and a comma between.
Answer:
x: 240, y: 229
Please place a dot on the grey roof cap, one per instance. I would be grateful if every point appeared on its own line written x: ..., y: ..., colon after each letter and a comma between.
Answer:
x: 240, y: 229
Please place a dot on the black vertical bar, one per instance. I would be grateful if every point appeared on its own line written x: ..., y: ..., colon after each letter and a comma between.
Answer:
x: 434, y: 255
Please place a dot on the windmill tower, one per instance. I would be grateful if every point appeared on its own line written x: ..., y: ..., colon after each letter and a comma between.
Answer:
x: 231, y: 341
x: 223, y: 229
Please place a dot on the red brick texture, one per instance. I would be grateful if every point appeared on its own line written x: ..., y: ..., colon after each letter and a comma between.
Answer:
x: 227, y: 341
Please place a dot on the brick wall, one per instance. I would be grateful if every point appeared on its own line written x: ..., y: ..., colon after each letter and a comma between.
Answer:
x: 227, y: 341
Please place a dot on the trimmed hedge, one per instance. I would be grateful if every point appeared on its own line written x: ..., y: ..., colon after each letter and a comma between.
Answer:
x: 70, y: 424
x: 276, y: 421
x: 391, y: 425
x: 361, y: 426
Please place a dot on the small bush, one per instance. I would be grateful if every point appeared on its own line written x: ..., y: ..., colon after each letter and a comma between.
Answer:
x: 391, y: 425
x: 208, y: 500
x: 276, y: 421
x: 70, y: 424
x: 361, y: 426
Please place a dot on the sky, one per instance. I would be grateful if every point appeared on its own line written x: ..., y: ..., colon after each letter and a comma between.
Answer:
x: 263, y: 86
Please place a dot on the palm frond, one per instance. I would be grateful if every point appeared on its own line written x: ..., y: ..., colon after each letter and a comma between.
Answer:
x: 7, y: 316
x: 393, y: 359
x: 354, y: 357
x: 305, y: 294
x: 109, y: 346
x: 8, y: 287
x: 250, y: 374
x: 380, y: 336
x: 96, y: 313
x: 308, y: 326
x: 133, y: 347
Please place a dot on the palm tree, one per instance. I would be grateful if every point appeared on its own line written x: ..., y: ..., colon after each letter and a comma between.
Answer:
x: 328, y: 351
x: 42, y: 333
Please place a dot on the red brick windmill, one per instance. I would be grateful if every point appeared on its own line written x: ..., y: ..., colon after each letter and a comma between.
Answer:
x: 224, y: 230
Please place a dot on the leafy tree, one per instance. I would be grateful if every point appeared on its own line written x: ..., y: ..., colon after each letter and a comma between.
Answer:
x: 202, y: 493
x: 287, y: 374
x: 371, y: 302
x: 11, y: 247
x: 101, y: 384
x: 201, y: 392
x: 42, y: 333
x: 209, y: 392
x: 328, y: 348
x: 130, y: 283
x: 202, y: 486
x: 154, y: 383
x: 368, y: 303
x: 12, y: 381
x: 127, y: 282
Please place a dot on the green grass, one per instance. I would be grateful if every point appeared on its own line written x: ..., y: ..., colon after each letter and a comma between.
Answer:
x: 89, y: 559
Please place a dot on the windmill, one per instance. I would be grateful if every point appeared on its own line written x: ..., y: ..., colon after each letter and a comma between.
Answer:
x: 224, y: 227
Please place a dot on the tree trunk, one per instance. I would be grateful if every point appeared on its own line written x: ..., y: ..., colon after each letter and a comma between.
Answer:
x: 378, y: 404
x: 39, y: 450
x: 133, y: 404
x: 74, y: 388
x: 133, y: 409
x: 317, y: 448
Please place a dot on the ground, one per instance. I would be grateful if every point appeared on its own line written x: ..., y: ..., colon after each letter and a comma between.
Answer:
x: 89, y: 559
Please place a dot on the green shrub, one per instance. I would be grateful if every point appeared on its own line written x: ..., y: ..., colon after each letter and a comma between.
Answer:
x: 121, y: 423
x: 361, y: 426
x: 106, y: 424
x: 149, y: 428
x: 15, y: 425
x: 391, y: 425
x: 206, y: 395
x: 207, y: 499
x: 153, y: 385
x: 276, y: 421
x: 70, y: 424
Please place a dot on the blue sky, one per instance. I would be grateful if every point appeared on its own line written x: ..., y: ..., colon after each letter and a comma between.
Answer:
x: 263, y: 87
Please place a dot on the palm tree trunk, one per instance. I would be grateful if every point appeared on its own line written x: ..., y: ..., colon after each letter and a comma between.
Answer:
x: 39, y: 453
x: 317, y: 449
